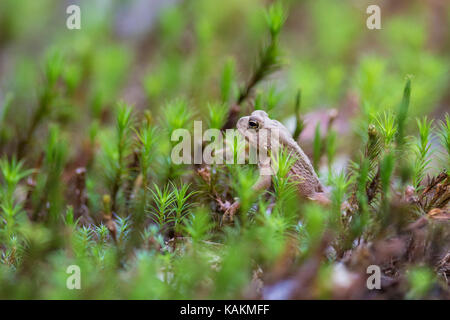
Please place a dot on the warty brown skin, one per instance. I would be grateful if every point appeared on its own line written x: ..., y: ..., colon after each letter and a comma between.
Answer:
x: 309, y: 185
x: 302, y: 171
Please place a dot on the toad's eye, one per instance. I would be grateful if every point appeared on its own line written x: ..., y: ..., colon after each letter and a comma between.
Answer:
x: 253, y: 124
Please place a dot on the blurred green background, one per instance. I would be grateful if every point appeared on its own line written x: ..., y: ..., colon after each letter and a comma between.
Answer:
x: 148, y: 52
x: 173, y: 61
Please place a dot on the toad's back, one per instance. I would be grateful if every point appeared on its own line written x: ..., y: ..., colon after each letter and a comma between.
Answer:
x: 302, y: 170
